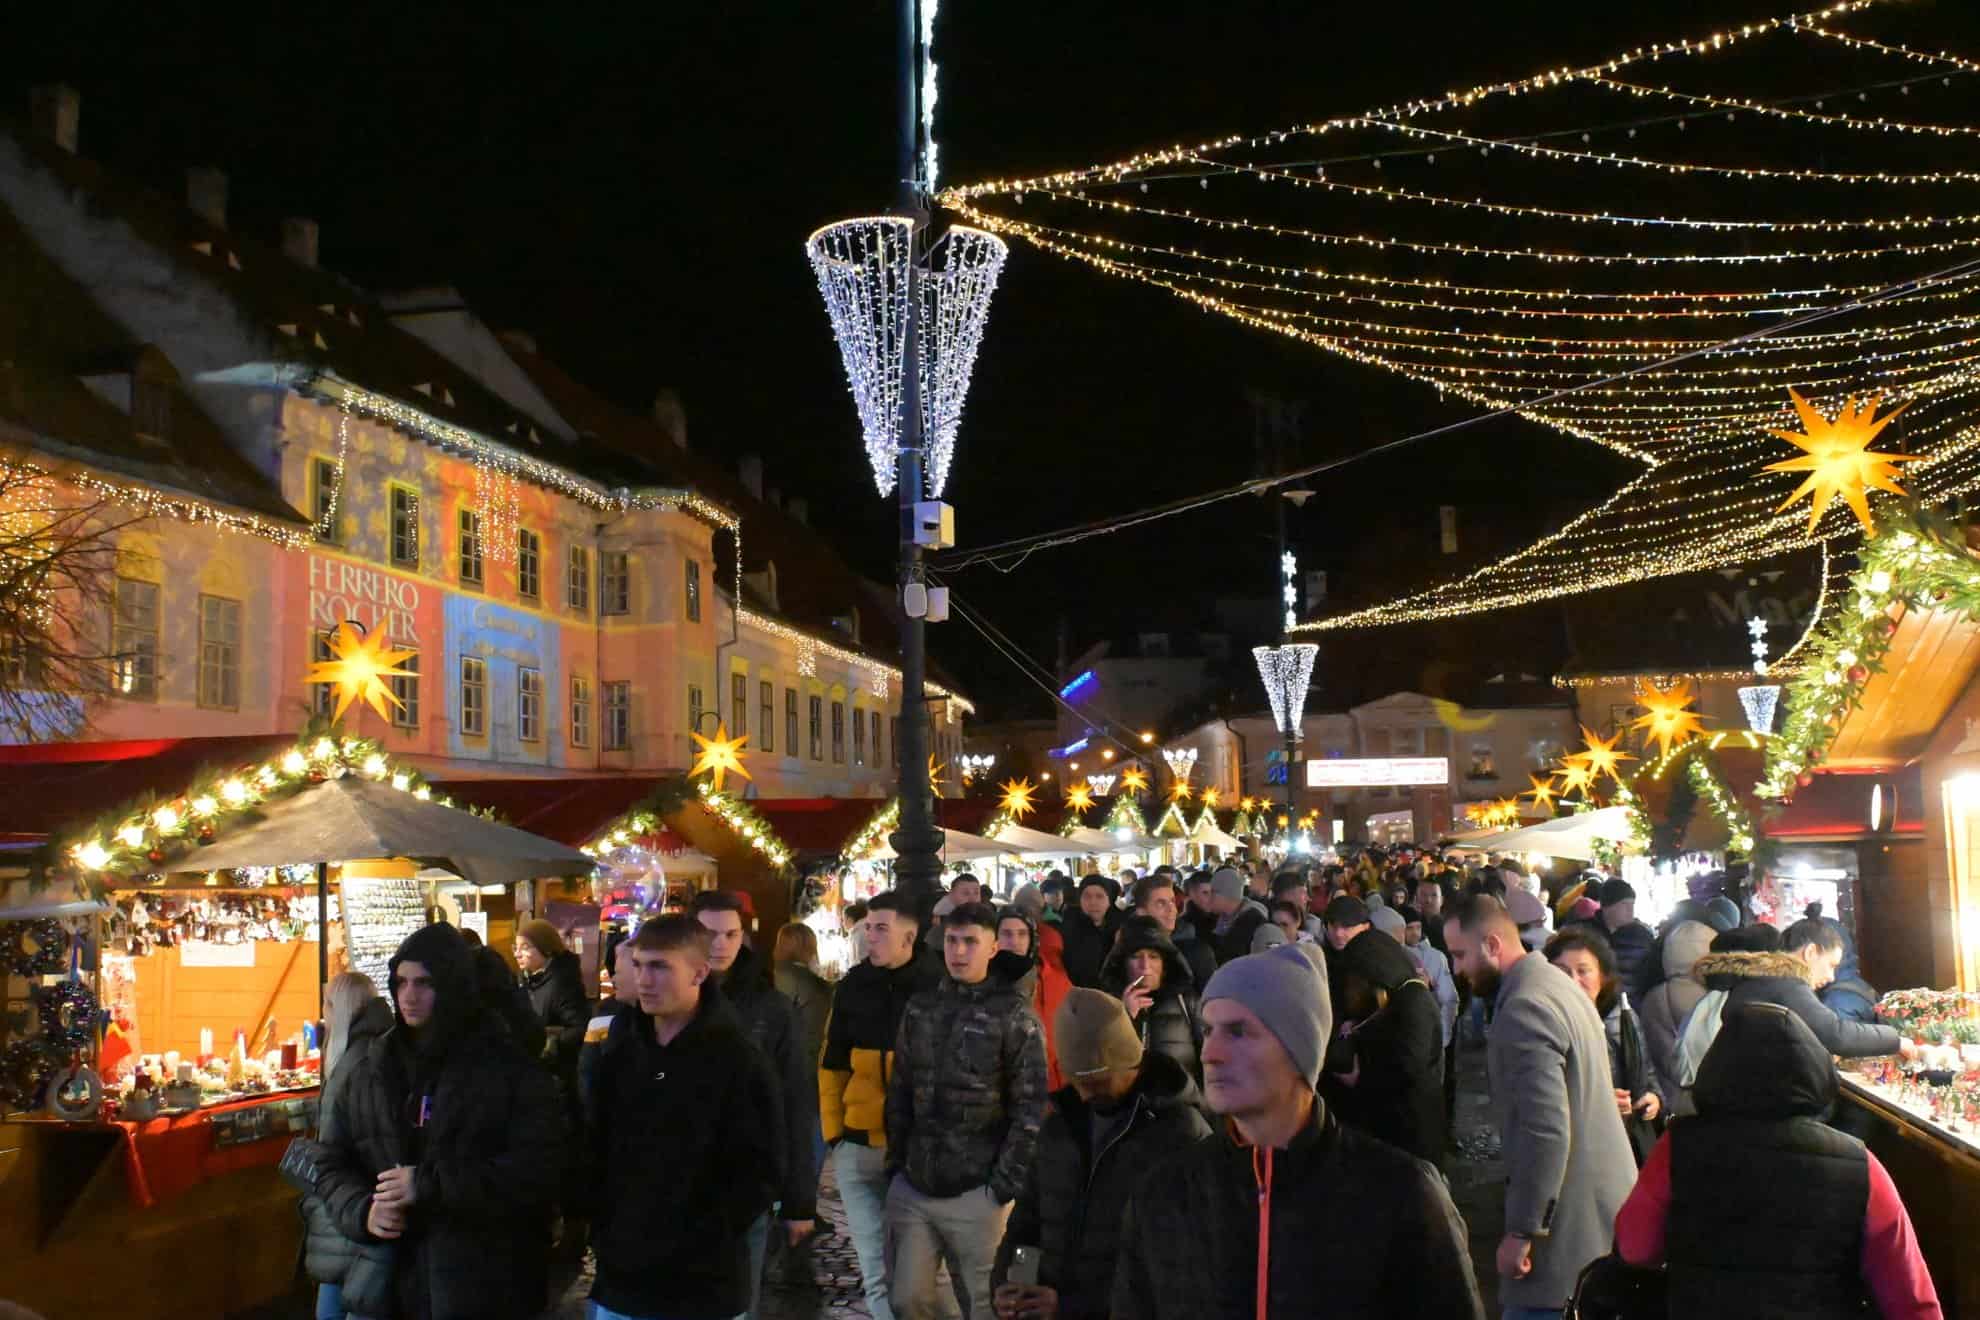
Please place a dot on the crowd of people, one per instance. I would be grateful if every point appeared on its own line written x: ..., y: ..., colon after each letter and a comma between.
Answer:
x: 1221, y: 1094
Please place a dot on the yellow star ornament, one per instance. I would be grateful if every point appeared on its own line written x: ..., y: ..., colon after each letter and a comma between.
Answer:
x: 1179, y: 791
x: 1838, y: 459
x: 360, y: 666
x: 1211, y: 797
x: 1542, y: 793
x: 935, y: 768
x: 1134, y: 780
x: 1576, y: 776
x: 1668, y: 719
x: 1079, y: 798
x: 1017, y: 797
x: 1602, y: 758
x: 719, y: 755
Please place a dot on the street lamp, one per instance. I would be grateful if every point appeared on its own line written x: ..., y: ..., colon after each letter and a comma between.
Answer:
x: 908, y: 315
x: 1286, y: 672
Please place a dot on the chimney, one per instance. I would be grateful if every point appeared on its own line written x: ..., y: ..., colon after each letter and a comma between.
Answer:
x: 670, y: 416
x: 299, y: 240
x: 799, y: 509
x: 57, y: 111
x: 751, y: 467
x: 206, y: 193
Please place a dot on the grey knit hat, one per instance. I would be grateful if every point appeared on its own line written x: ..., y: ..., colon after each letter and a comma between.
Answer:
x: 1286, y: 989
x: 1389, y: 921
x: 1227, y: 883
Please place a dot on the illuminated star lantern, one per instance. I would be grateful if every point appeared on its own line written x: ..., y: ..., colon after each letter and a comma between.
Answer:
x: 360, y: 666
x: 1542, y: 793
x: 1246, y: 804
x: 1079, y: 798
x: 1602, y: 758
x: 1178, y: 791
x: 1134, y: 780
x: 1211, y: 797
x: 1668, y: 719
x: 1838, y: 459
x: 935, y: 776
x: 1017, y: 797
x: 719, y: 755
x: 1576, y: 776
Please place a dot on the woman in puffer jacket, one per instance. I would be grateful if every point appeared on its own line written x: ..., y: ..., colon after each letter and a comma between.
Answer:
x: 1664, y: 1010
x: 1154, y: 984
x: 355, y: 1017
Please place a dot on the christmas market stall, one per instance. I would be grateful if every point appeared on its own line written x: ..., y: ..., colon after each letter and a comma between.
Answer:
x: 162, y: 1043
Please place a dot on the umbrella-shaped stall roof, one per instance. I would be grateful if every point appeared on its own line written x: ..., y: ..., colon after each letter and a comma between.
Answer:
x: 353, y: 818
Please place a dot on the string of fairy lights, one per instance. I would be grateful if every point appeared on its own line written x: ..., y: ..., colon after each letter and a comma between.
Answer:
x: 1499, y: 244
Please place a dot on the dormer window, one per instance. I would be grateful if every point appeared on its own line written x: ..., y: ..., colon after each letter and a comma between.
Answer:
x: 151, y: 409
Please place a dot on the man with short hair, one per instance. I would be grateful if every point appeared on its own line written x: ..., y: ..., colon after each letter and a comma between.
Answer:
x: 625, y: 998
x: 867, y: 1006
x: 1290, y: 887
x: 1197, y: 913
x: 963, y: 1111
x: 1568, y: 1160
x: 767, y: 1020
x: 1346, y: 917
x: 1243, y: 924
x: 1630, y: 938
x: 1818, y: 947
x: 1089, y: 930
x: 1121, y: 1112
x: 686, y: 1140
x: 1430, y: 902
x: 1282, y: 1174
x: 1155, y: 897
x: 1053, y: 889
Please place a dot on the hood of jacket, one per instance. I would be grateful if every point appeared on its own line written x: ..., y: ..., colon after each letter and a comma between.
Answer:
x: 1377, y: 959
x: 1011, y: 910
x: 1684, y: 944
x: 1723, y: 971
x: 1765, y: 1063
x: 1138, y: 933
x: 1007, y: 969
x: 558, y: 967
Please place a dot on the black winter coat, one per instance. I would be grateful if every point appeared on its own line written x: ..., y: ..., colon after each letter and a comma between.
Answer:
x: 1759, y: 1153
x: 1357, y: 1229
x: 1629, y: 1070
x: 1398, y: 1095
x: 771, y: 1026
x: 1782, y: 978
x: 327, y: 1252
x: 1087, y: 945
x: 488, y: 1159
x: 1639, y: 963
x: 556, y: 996
x: 1236, y: 941
x: 1073, y: 1202
x: 685, y: 1150
x: 1172, y: 1025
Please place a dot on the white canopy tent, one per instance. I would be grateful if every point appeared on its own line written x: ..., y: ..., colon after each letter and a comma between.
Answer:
x: 1027, y: 842
x: 956, y: 847
x: 1572, y: 837
x: 1104, y: 843
x: 1209, y: 833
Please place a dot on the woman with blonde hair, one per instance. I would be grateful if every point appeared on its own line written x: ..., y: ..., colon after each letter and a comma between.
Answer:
x: 354, y: 1017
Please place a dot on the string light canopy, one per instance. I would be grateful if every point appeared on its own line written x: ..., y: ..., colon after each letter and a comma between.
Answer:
x: 1286, y: 671
x: 1499, y: 245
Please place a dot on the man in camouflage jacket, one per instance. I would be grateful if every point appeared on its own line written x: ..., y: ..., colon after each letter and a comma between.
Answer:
x: 964, y: 1108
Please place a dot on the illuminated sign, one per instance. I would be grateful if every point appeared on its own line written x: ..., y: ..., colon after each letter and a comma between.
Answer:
x: 1379, y: 772
x: 1082, y: 681
x: 339, y: 590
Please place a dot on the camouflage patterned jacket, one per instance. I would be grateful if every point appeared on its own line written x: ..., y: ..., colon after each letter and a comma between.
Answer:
x: 968, y: 1092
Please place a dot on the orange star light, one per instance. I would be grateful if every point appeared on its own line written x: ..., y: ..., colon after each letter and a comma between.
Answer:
x: 1079, y: 797
x: 360, y: 665
x: 1017, y: 797
x: 935, y: 784
x: 1542, y: 793
x: 1576, y: 776
x: 1178, y: 791
x: 1246, y: 804
x: 1134, y: 780
x: 1211, y: 797
x: 1667, y: 719
x: 1602, y: 758
x: 719, y: 755
x: 1838, y: 459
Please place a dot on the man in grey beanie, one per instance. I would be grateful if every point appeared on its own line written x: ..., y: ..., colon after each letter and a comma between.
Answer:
x: 1243, y: 924
x: 1281, y: 1174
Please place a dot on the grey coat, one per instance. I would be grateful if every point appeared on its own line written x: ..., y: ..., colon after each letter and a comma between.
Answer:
x: 1568, y: 1161
x: 1667, y: 1005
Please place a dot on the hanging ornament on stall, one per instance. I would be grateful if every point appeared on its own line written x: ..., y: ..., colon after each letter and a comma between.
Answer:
x: 1577, y: 778
x: 1542, y: 793
x: 1602, y: 756
x: 1668, y: 719
x: 1079, y: 798
x: 1102, y: 784
x: 1134, y: 780
x: 719, y: 756
x: 1181, y: 761
x: 1179, y: 791
x: 935, y: 768
x: 1838, y: 459
x: 34, y: 948
x: 1210, y: 796
x: 1017, y: 797
x: 360, y: 667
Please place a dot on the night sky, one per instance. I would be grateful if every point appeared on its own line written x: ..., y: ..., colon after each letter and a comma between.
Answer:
x: 633, y: 185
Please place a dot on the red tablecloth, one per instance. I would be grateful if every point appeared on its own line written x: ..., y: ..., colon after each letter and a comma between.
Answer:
x: 164, y: 1157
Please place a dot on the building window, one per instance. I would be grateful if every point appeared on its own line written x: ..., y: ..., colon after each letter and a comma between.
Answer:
x: 406, y: 688
x: 405, y: 526
x: 322, y: 696
x: 1483, y: 765
x: 694, y: 591
x: 134, y: 639
x: 474, y: 696
x: 219, y: 653
x: 818, y: 728
x: 738, y: 705
x: 766, y: 711
x: 580, y: 711
x: 876, y: 740
x: 618, y: 716
x: 694, y: 707
x: 577, y: 579
x: 151, y: 408
x: 529, y: 564
x: 325, y: 482
x: 470, y: 548
x: 614, y: 583
x: 859, y: 738
x: 838, y: 733
x: 529, y: 704
x: 22, y: 667
x: 790, y: 722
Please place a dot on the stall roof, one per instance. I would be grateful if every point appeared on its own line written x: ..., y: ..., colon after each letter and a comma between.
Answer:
x: 48, y: 788
x: 1836, y: 806
x: 574, y: 811
x: 1933, y: 657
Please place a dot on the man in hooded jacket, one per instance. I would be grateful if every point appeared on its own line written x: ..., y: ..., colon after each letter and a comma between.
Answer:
x: 1385, y: 1068
x: 448, y: 1145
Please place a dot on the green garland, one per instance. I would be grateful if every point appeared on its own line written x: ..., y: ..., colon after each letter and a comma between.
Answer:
x: 1702, y: 783
x: 1125, y: 814
x: 882, y: 823
x: 670, y: 796
x: 1173, y: 814
x: 1917, y: 560
x: 154, y: 834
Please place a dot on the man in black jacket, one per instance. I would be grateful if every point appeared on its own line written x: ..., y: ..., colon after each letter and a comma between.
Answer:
x: 448, y: 1143
x: 963, y: 1111
x: 1124, y: 1111
x: 686, y: 1140
x: 767, y: 1020
x: 1089, y: 929
x: 1630, y: 938
x: 1243, y: 924
x: 1250, y: 1203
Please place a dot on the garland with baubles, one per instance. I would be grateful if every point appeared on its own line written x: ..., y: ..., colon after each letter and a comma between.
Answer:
x: 39, y: 947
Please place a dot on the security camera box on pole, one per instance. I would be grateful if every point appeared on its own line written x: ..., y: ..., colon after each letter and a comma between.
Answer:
x: 934, y: 525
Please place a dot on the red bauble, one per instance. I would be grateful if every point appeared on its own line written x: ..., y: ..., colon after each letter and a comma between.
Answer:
x: 1858, y: 674
x: 156, y: 856
x: 1804, y: 779
x: 205, y: 835
x: 1890, y: 626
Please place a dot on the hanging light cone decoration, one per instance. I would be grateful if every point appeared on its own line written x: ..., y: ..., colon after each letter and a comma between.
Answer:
x: 1181, y: 761
x: 1759, y: 701
x: 1134, y: 780
x: 1017, y: 797
x: 1838, y: 460
x: 361, y: 666
x: 1668, y: 719
x: 1101, y: 784
x: 719, y: 756
x: 1602, y: 757
x: 1286, y: 671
